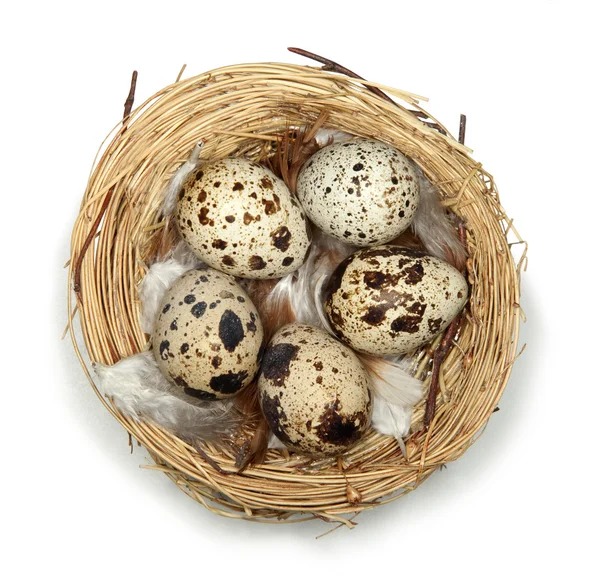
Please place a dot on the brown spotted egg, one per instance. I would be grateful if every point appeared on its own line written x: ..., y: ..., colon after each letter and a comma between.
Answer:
x: 313, y: 391
x: 389, y: 300
x: 208, y: 338
x: 361, y: 191
x: 240, y: 218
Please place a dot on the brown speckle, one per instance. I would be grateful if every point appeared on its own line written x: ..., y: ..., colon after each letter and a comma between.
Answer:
x: 270, y: 207
x: 276, y: 362
x: 266, y: 183
x: 434, y: 325
x: 227, y: 260
x: 407, y: 324
x: 248, y: 218
x: 198, y: 309
x: 281, y: 238
x: 231, y: 330
x: 228, y: 383
x: 275, y: 416
x: 256, y: 262
x: 203, y: 216
x: 378, y: 280
x: 376, y: 314
x: 339, y: 429
x: 200, y: 394
x: 414, y: 274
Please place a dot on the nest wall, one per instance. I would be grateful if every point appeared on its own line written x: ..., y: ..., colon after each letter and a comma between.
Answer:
x: 242, y: 110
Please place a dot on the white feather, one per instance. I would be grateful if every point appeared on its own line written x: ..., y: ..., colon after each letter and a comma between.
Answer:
x: 276, y: 443
x: 179, y: 178
x: 433, y: 226
x: 390, y: 419
x: 395, y: 392
x: 391, y: 380
x: 303, y: 287
x: 159, y: 279
x: 326, y: 136
x: 138, y: 389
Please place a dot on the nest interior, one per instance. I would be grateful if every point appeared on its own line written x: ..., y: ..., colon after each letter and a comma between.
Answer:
x: 242, y: 110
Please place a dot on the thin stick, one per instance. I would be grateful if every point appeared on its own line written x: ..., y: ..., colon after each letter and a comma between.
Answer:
x: 462, y: 129
x: 130, y: 97
x: 329, y: 65
x: 438, y: 359
x: 446, y: 343
x: 88, y: 241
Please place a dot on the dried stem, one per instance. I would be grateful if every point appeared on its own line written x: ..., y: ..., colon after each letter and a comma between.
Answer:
x: 88, y: 241
x: 446, y: 343
x: 329, y: 65
x: 438, y: 359
x: 461, y: 129
x: 130, y: 97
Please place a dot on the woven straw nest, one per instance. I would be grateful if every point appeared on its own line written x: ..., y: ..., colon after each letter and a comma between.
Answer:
x: 242, y: 110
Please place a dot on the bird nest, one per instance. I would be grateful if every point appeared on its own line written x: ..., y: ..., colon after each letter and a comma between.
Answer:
x: 243, y: 110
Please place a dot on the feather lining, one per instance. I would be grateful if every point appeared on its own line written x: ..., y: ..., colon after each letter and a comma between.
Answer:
x: 434, y: 227
x: 139, y: 390
x: 159, y: 279
x: 178, y: 179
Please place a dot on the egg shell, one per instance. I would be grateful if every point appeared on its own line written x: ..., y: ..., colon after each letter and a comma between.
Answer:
x: 361, y: 191
x: 389, y: 300
x: 240, y: 218
x: 314, y: 391
x: 208, y: 338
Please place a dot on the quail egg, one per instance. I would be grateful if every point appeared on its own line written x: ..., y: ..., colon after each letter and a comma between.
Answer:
x: 313, y: 391
x: 360, y: 191
x: 240, y: 218
x: 208, y: 338
x: 389, y: 300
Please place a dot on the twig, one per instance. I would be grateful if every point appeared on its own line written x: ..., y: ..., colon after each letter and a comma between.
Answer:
x: 329, y: 65
x: 461, y: 129
x: 130, y: 97
x: 438, y: 358
x: 92, y: 233
x: 446, y: 343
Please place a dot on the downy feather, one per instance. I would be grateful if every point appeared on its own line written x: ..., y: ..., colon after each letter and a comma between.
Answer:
x: 158, y: 280
x: 140, y: 391
x: 433, y: 226
x: 174, y: 185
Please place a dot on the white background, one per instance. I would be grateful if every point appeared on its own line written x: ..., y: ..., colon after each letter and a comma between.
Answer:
x: 520, y: 507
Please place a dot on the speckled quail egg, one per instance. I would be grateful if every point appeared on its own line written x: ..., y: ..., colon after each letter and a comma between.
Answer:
x: 208, y: 338
x: 313, y: 391
x: 240, y: 218
x: 389, y: 300
x: 360, y: 191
